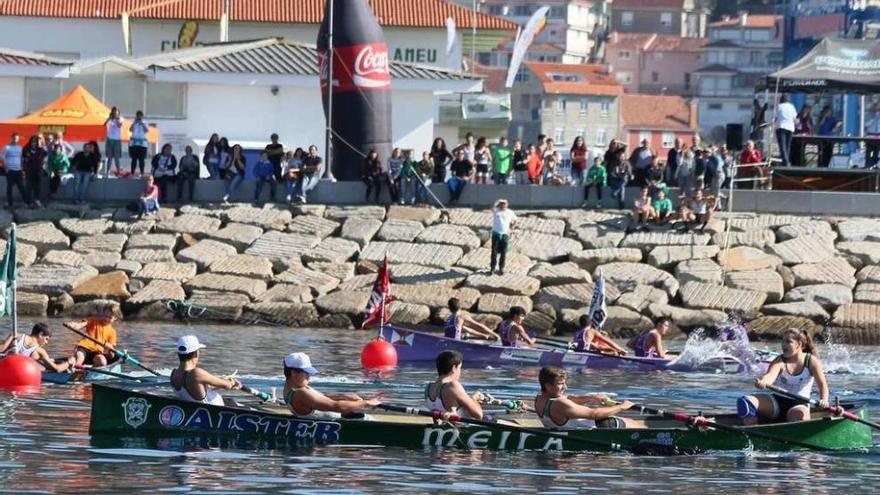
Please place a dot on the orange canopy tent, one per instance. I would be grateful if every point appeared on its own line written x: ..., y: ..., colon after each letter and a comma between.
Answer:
x: 78, y: 114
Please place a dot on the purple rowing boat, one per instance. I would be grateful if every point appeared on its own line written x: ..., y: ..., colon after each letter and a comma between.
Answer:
x: 414, y: 346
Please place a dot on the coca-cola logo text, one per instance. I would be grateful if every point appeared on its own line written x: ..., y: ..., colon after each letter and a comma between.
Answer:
x: 371, y: 67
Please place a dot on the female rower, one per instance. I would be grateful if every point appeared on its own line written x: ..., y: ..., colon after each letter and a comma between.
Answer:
x: 587, y: 338
x: 650, y: 342
x: 795, y: 371
x: 460, y: 324
x: 511, y: 330
x: 306, y: 402
x: 558, y: 411
x: 193, y: 383
x: 446, y: 394
x: 33, y: 346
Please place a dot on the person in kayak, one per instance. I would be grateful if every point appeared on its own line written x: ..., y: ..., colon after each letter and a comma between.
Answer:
x: 193, y: 383
x: 101, y: 329
x: 511, y: 330
x: 459, y: 324
x: 558, y: 411
x: 306, y: 402
x: 796, y: 370
x: 446, y: 394
x: 650, y: 342
x: 588, y: 338
x: 33, y: 346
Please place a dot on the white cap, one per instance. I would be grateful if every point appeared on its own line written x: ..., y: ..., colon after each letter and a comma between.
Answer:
x: 188, y: 344
x: 300, y: 360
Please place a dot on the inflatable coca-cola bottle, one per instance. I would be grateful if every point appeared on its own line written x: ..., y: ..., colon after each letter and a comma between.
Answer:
x: 361, y: 86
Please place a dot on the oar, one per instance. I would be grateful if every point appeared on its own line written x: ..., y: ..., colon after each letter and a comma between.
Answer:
x: 99, y: 371
x: 832, y: 409
x: 263, y: 396
x: 699, y: 421
x: 124, y: 355
x: 547, y: 340
x: 615, y: 447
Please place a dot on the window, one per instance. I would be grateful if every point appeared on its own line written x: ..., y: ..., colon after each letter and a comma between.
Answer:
x: 605, y: 108
x: 522, y: 10
x: 626, y: 19
x: 643, y: 136
x: 658, y: 55
x: 745, y: 107
x: 756, y: 58
x: 560, y: 106
x: 557, y: 12
x: 668, y: 139
x: 601, y: 137
x: 559, y: 135
x: 715, y: 106
x: 666, y: 19
x: 655, y: 76
x: 625, y: 55
x: 578, y: 132
x: 687, y: 80
x: 757, y: 35
x: 585, y: 106
x: 623, y: 77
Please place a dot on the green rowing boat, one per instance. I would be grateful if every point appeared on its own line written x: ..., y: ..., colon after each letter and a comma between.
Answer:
x: 120, y: 412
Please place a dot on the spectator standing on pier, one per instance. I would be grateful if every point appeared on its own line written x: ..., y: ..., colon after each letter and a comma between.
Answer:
x: 211, y: 158
x: 137, y: 145
x: 501, y: 157
x: 395, y: 166
x: 408, y: 179
x: 827, y: 125
x: 425, y: 169
x: 684, y: 175
x: 786, y: 114
x: 641, y: 160
x: 751, y: 161
x: 12, y: 155
x: 673, y: 159
x: 578, y: 161
x: 113, y: 143
x: 85, y: 165
x: 619, y: 176
x: 441, y: 158
x: 33, y: 157
x: 535, y: 165
x: 520, y: 167
x: 503, y: 220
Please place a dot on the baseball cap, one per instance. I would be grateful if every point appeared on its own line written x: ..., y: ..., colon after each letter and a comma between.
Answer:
x: 300, y: 360
x: 188, y: 344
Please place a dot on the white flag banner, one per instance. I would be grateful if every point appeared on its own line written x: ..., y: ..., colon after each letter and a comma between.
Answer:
x: 598, y: 311
x: 453, y: 47
x: 524, y: 40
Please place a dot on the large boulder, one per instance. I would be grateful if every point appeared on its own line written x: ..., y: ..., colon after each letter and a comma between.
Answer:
x: 402, y: 313
x: 206, y: 252
x: 869, y: 274
x: 509, y: 283
x: 543, y: 247
x: 244, y: 265
x: 360, y: 230
x: 76, y: 227
x: 646, y: 241
x: 500, y: 304
x: 149, y: 255
x: 25, y: 254
x: 626, y: 276
x: 639, y: 298
x: 687, y: 318
x: 152, y: 240
x: 757, y: 238
x: 134, y: 226
x: 625, y: 321
x: 804, y: 249
x: 400, y: 230
x: 809, y: 229
x: 867, y: 293
x: 167, y: 270
x: 269, y: 217
x: 29, y: 304
x: 833, y: 271
x: 766, y: 281
x: 744, y: 258
x: 53, y: 280
x: 237, y: 235
x: 196, y: 225
x: 62, y: 258
x: 338, y: 270
x: 425, y: 216
x: 333, y: 249
x: 42, y: 235
x: 867, y: 253
x: 113, y: 285
x: 343, y: 213
x: 103, y: 261
x: 541, y: 225
x: 478, y: 260
x: 440, y: 255
x: 280, y: 247
x: 319, y: 283
x: 589, y: 259
x: 667, y: 256
x: 711, y: 296
x: 435, y: 296
x: 286, y: 293
x: 698, y: 271
x: 857, y: 315
x: 358, y: 282
x: 312, y: 226
x: 859, y: 230
x: 221, y: 306
x: 250, y: 287
x: 283, y: 313
x: 572, y: 296
x: 563, y: 273
x: 765, y: 221
x: 100, y: 242
x: 456, y: 235
x: 598, y: 236
x: 806, y: 309
x: 829, y: 296
x: 420, y: 274
x: 158, y: 291
x: 347, y: 302
x: 772, y: 327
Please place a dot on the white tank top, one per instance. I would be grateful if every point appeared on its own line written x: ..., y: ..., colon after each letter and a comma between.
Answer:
x: 800, y: 384
x: 436, y: 403
x: 211, y: 395
x: 570, y: 424
x: 18, y: 347
x: 314, y: 414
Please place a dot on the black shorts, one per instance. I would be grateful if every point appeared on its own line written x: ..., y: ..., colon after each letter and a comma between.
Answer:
x: 482, y: 168
x: 698, y: 217
x: 612, y: 423
x: 90, y: 355
x: 782, y: 404
x: 137, y: 152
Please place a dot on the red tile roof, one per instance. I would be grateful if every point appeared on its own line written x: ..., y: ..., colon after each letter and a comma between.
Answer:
x: 666, y: 43
x: 495, y: 78
x: 592, y: 79
x: 410, y: 13
x: 647, y: 4
x: 752, y: 21
x: 634, y: 41
x: 655, y: 112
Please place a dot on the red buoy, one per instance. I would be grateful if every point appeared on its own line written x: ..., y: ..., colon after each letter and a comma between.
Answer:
x: 378, y: 353
x: 19, y: 372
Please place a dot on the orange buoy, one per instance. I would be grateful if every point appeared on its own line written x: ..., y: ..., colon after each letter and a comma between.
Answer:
x: 17, y: 372
x: 378, y: 353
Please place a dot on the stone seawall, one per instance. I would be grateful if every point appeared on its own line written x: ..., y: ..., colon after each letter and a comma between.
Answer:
x: 314, y: 265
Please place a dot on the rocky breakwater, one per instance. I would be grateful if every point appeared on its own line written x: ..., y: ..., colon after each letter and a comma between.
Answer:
x: 314, y: 265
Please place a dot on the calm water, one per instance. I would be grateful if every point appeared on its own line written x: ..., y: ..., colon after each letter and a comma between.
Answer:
x: 45, y: 447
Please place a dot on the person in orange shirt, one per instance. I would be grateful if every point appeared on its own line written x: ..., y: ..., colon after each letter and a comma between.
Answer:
x: 101, y: 329
x: 535, y: 165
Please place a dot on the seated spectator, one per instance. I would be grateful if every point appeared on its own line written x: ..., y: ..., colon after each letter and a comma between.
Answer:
x: 696, y: 210
x: 149, y: 200
x: 312, y: 171
x: 292, y: 169
x: 371, y: 174
x: 188, y: 173
x: 551, y: 170
x: 642, y: 209
x: 163, y: 167
x: 85, y: 164
x: 662, y: 207
x: 597, y: 177
x: 408, y: 179
x: 235, y: 167
x: 425, y: 171
x: 462, y: 171
x: 264, y: 173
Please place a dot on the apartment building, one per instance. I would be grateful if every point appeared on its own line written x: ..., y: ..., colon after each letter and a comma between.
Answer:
x: 667, y: 17
x: 658, y: 119
x: 653, y: 63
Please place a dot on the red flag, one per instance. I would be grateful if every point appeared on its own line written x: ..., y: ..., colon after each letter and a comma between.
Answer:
x: 379, y: 298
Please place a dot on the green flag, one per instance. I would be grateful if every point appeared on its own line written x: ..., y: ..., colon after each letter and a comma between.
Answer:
x: 7, y: 275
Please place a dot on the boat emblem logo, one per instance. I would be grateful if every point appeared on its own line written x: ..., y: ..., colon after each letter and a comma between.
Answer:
x: 171, y: 416
x: 135, y: 409
x: 402, y: 337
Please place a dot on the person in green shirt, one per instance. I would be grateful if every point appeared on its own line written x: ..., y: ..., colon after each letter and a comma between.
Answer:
x: 662, y: 207
x: 597, y: 177
x: 57, y: 166
x: 408, y: 179
x: 501, y: 158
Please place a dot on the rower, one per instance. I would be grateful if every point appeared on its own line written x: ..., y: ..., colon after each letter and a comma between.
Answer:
x: 306, y: 402
x: 446, y: 394
x: 650, y: 342
x: 33, y: 346
x: 587, y: 338
x: 795, y: 370
x: 193, y: 383
x: 558, y: 411
x: 511, y: 330
x: 459, y: 324
x: 101, y: 329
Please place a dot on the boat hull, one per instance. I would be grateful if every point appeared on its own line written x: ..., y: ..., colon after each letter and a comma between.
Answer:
x: 152, y: 419
x: 81, y: 376
x: 413, y: 347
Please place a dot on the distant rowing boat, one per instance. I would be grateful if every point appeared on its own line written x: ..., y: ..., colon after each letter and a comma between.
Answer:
x: 121, y: 413
x: 82, y: 375
x: 414, y: 346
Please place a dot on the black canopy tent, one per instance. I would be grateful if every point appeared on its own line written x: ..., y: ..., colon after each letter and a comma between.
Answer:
x: 833, y: 65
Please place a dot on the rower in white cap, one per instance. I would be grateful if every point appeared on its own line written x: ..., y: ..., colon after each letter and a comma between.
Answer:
x: 306, y: 402
x: 193, y: 383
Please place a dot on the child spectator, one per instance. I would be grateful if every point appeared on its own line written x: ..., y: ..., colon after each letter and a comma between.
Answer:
x: 149, y: 200
x: 662, y: 207
x: 642, y: 209
x: 264, y: 173
x: 597, y: 177
x: 188, y: 174
x: 579, y: 162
